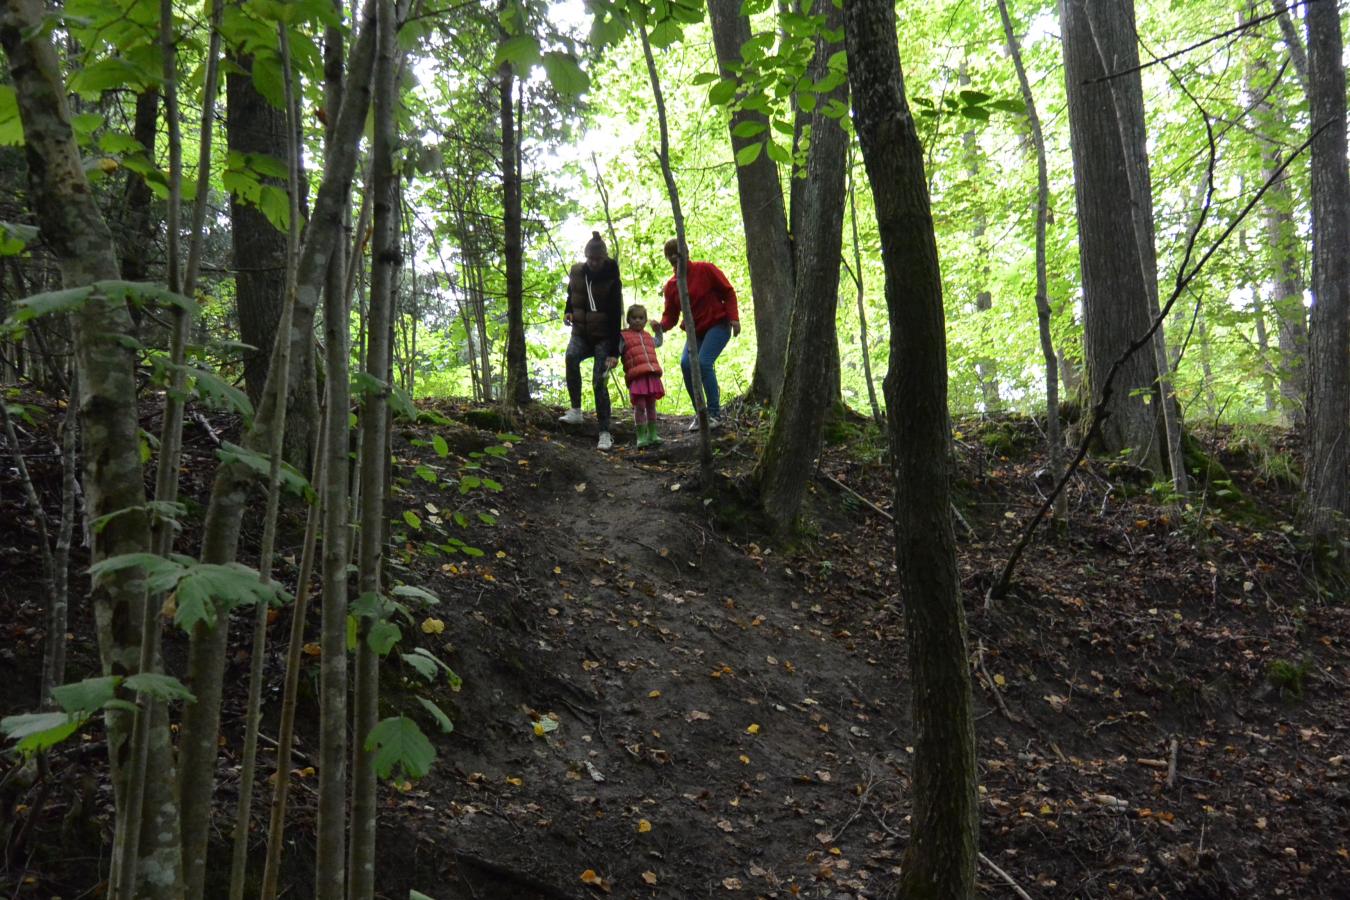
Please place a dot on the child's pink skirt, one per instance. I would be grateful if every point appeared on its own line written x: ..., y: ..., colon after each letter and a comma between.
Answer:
x: 647, y: 387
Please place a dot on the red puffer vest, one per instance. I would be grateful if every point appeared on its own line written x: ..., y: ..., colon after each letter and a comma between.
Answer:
x: 639, y: 355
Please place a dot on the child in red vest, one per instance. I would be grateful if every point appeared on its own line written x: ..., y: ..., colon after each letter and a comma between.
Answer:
x: 642, y: 371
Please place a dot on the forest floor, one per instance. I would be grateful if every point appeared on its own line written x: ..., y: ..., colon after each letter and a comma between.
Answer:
x: 1162, y: 705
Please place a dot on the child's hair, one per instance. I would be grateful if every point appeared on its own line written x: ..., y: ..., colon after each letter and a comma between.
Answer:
x: 635, y: 308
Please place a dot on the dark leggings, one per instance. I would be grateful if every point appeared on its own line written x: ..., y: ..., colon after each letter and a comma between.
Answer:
x: 579, y: 348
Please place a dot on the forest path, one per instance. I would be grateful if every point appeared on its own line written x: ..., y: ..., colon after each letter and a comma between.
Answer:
x: 717, y: 721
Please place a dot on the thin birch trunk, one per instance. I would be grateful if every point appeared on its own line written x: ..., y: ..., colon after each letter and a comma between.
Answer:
x: 385, y: 259
x: 1054, y: 442
x: 54, y: 663
x: 862, y: 306
x: 230, y: 492
x: 682, y: 264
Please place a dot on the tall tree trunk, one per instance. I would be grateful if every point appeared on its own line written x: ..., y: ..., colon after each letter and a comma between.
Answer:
x: 986, y: 367
x: 1054, y: 442
x: 682, y: 262
x: 813, y: 347
x: 137, y: 231
x: 1118, y: 294
x: 517, y: 366
x: 230, y: 492
x: 255, y: 126
x: 768, y: 247
x: 863, y: 340
x: 386, y: 257
x: 75, y: 231
x: 940, y: 859
x: 1282, y: 245
x: 1327, y: 479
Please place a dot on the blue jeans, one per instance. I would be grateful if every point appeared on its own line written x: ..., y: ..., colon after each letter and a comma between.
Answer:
x: 579, y: 348
x: 710, y: 346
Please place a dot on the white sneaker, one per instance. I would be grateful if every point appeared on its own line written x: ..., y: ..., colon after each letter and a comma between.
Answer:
x: 571, y: 417
x: 605, y: 441
x: 693, y: 424
x: 713, y: 422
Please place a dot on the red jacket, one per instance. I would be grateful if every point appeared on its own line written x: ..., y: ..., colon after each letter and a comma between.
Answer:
x: 711, y: 297
x: 639, y: 355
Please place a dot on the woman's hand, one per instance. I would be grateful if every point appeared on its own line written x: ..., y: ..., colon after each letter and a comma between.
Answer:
x: 735, y: 328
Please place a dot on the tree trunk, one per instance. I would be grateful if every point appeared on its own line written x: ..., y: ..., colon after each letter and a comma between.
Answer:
x: 1327, y: 479
x: 137, y: 231
x: 682, y: 262
x: 1117, y: 296
x: 255, y: 126
x: 986, y: 367
x: 940, y: 859
x: 75, y: 231
x: 768, y: 247
x: 386, y: 257
x: 230, y: 492
x: 517, y: 367
x: 813, y: 348
x: 1054, y: 442
x: 863, y: 341
x: 1282, y: 246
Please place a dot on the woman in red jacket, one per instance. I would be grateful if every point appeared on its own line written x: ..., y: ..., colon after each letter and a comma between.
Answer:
x: 712, y: 300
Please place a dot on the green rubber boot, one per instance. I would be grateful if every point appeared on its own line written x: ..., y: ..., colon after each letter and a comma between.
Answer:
x: 643, y: 436
x: 653, y: 435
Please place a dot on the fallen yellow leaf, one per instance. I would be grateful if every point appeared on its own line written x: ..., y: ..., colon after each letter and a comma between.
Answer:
x: 654, y: 694
x: 753, y: 729
x: 514, y: 781
x: 432, y: 626
x: 649, y: 877
x: 1000, y: 680
x: 312, y: 649
x: 745, y: 760
x: 644, y: 826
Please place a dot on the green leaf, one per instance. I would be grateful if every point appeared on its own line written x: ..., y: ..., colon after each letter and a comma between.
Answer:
x: 401, y: 402
x: 382, y: 637
x: 487, y: 519
x: 414, y: 521
x: 426, y: 473
x: 721, y: 93
x: 108, y: 73
x: 134, y: 292
x: 423, y: 665
x: 492, y: 485
x: 412, y: 592
x: 417, y: 895
x: 215, y: 391
x: 666, y: 34
x: 565, y: 74
x: 352, y: 627
x: 210, y: 588
x: 291, y: 479
x: 1016, y: 107
x: 975, y: 112
x: 88, y: 696
x: 159, y: 511
x: 749, y: 129
x: 779, y: 153
x: 974, y: 98
x: 399, y: 744
x: 11, y: 126
x: 807, y: 101
x: 161, y: 573
x: 440, y: 446
x: 438, y: 714
x: 521, y: 51
x: 705, y: 78
x: 161, y: 687
x: 38, y: 731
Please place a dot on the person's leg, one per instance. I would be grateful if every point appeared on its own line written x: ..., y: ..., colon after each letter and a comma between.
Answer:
x: 602, y: 408
x: 712, y: 345
x: 653, y: 436
x: 688, y: 378
x: 576, y: 352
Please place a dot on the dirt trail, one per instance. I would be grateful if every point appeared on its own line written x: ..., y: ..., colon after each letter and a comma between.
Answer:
x: 712, y: 725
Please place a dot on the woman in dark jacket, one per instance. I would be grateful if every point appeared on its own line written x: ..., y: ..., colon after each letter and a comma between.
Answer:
x: 595, y: 312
